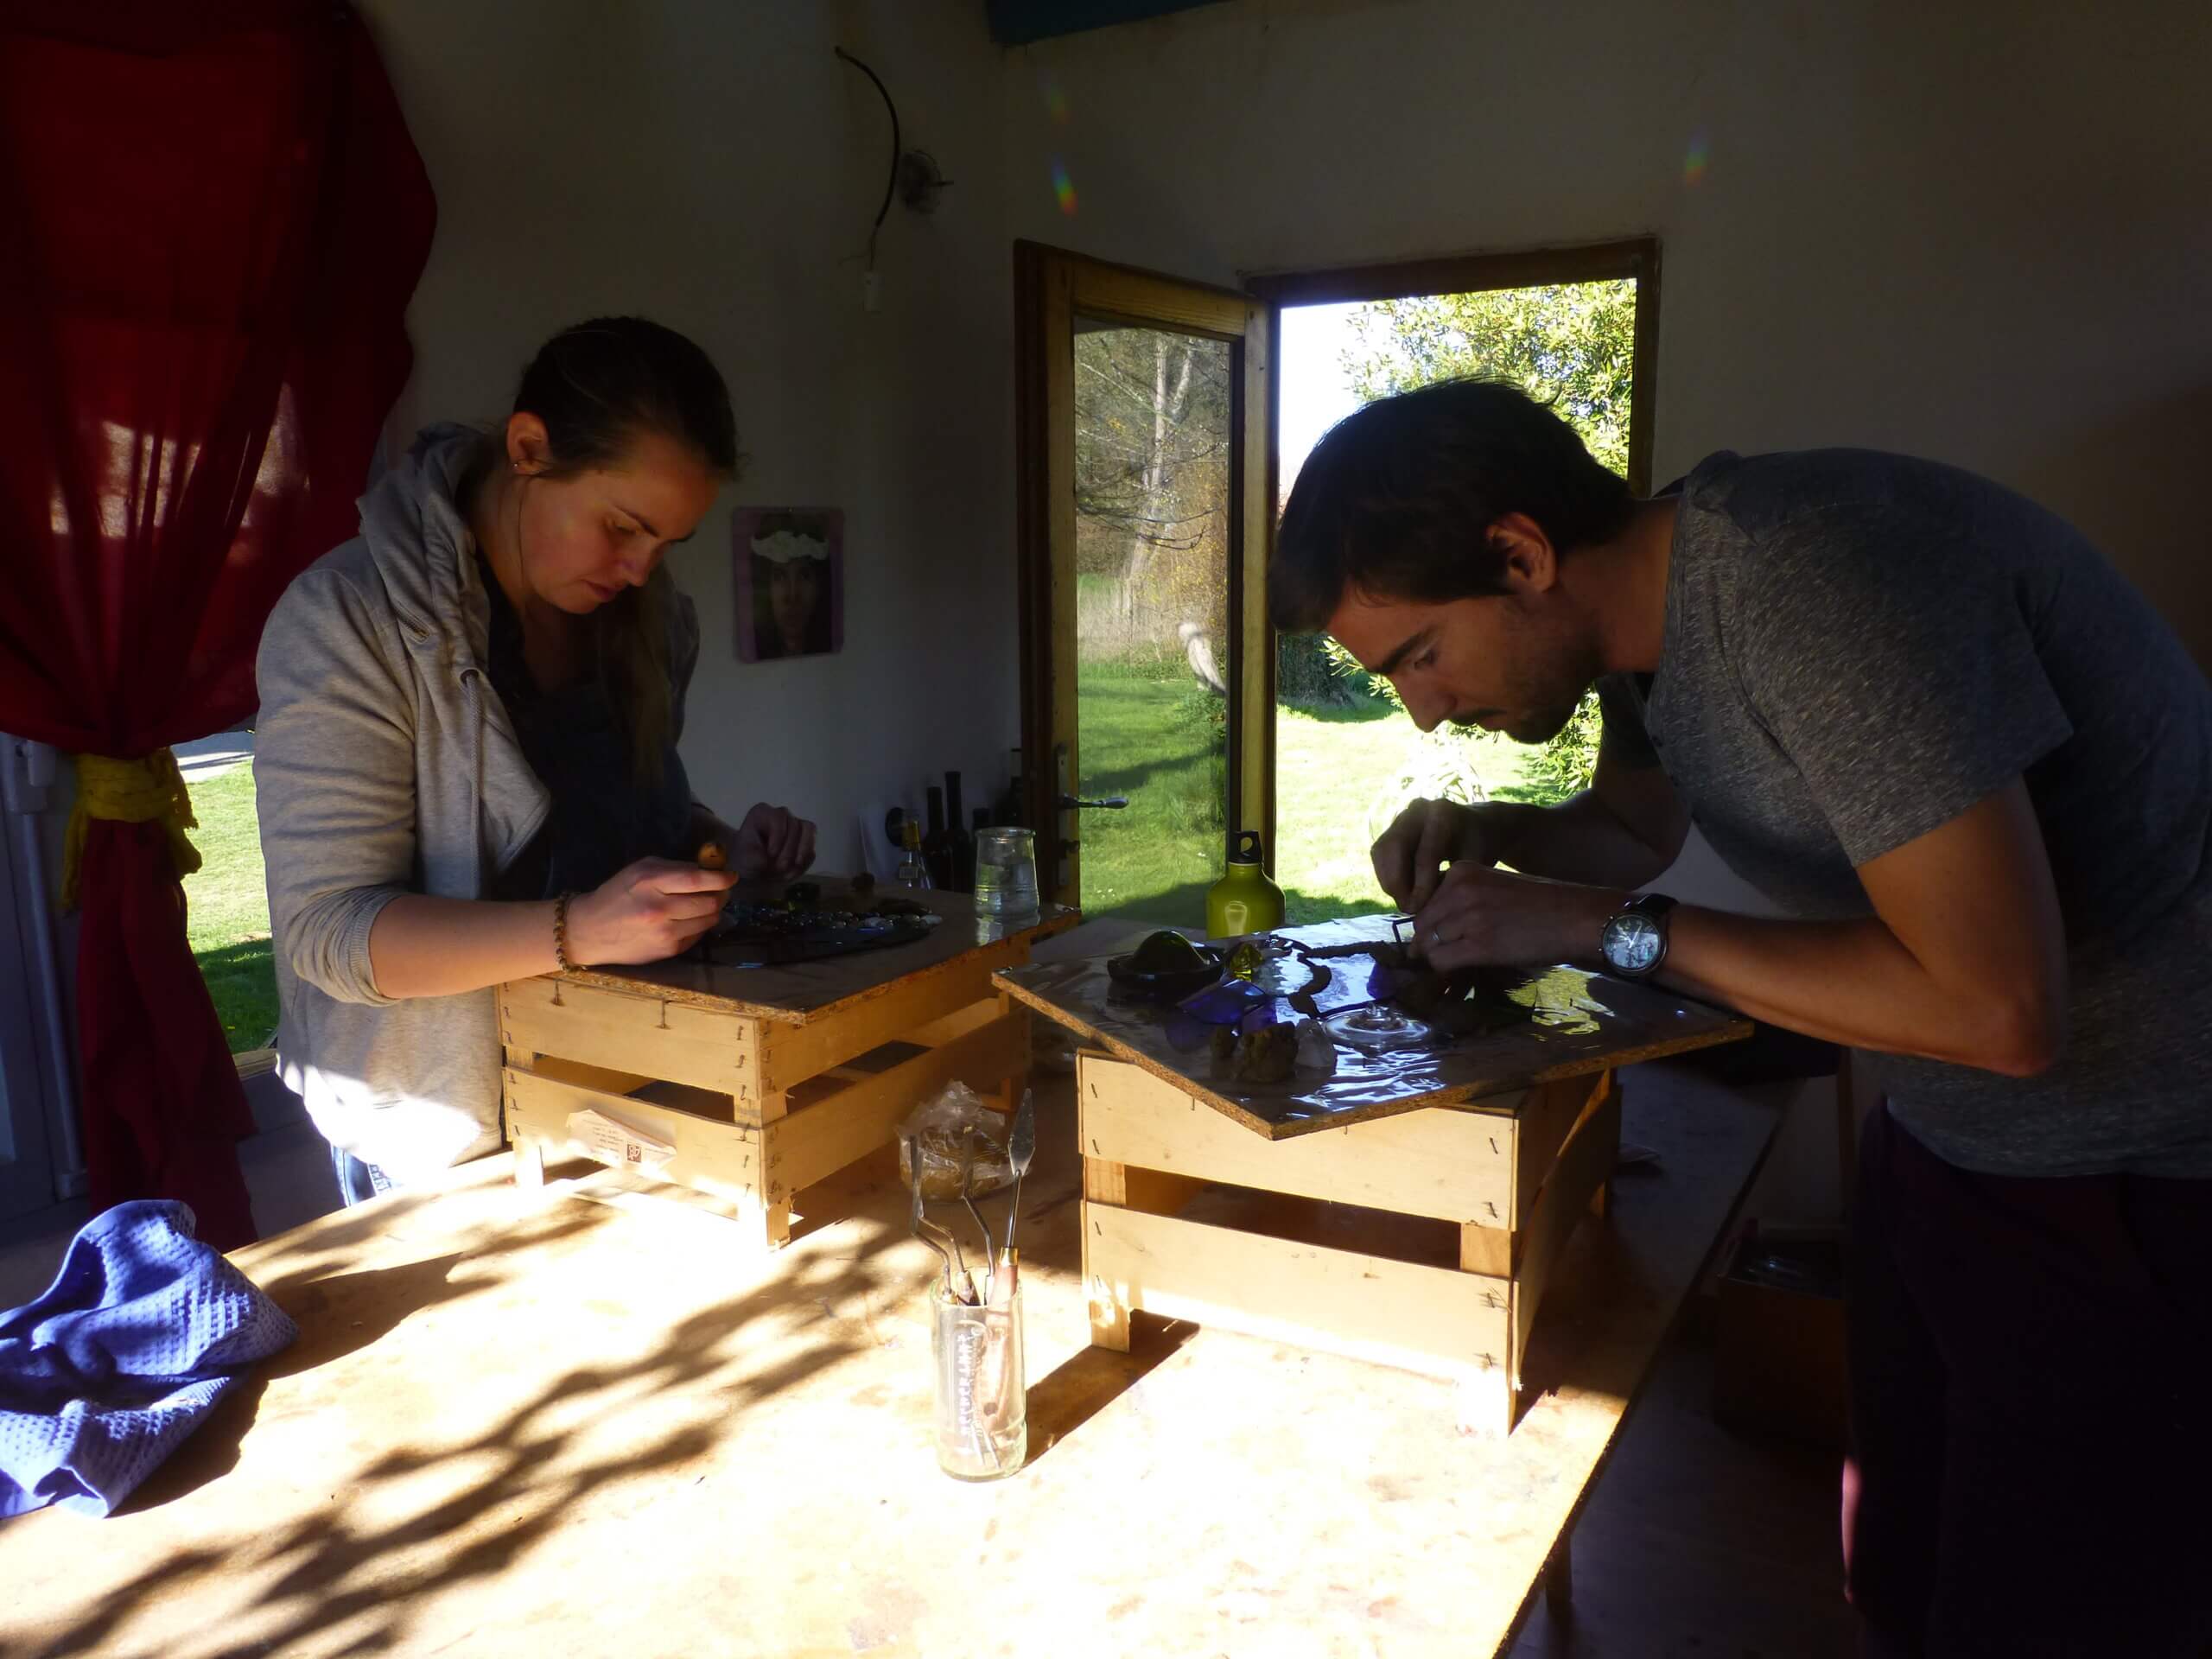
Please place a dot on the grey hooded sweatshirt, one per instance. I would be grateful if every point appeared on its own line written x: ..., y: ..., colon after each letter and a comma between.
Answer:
x: 384, y: 763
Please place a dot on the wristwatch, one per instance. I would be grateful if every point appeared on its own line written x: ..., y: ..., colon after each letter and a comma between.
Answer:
x: 1634, y: 942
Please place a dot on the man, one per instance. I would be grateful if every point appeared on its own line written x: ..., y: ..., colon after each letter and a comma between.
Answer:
x: 1975, y: 768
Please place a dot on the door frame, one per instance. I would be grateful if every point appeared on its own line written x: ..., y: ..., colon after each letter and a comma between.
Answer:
x: 1050, y: 286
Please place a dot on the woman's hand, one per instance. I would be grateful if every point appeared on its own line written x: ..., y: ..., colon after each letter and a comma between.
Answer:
x: 653, y: 910
x: 771, y: 843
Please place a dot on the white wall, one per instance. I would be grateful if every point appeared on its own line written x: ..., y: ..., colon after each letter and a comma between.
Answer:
x: 1977, y: 232
x: 711, y: 165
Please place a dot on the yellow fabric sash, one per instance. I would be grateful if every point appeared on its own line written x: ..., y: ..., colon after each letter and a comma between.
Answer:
x: 130, y: 792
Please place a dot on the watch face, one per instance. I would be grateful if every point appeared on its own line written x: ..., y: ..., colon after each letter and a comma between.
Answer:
x: 1633, y: 944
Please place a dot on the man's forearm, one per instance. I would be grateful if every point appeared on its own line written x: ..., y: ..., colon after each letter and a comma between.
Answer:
x: 1964, y: 959
x: 1850, y: 982
x: 1578, y: 840
x: 1853, y: 982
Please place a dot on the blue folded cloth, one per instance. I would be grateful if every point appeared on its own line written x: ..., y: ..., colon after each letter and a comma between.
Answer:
x: 139, y: 1335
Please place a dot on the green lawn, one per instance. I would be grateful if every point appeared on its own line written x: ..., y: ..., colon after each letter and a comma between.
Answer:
x: 1340, y: 776
x: 227, y: 913
x: 1147, y: 733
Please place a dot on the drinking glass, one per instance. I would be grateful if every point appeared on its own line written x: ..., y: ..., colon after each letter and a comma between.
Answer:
x: 1006, y: 872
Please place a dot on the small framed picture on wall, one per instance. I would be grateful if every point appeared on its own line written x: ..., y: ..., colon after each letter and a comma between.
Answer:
x: 790, y: 581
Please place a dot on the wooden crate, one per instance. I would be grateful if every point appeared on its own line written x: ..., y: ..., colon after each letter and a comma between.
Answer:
x: 1512, y: 1173
x: 758, y: 1098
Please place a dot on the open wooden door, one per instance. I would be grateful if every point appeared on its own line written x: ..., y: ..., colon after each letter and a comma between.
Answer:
x: 1147, y: 665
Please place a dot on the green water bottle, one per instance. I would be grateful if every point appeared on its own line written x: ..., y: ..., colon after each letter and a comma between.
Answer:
x: 1243, y: 900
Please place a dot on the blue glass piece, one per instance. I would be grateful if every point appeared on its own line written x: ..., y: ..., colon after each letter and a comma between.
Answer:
x: 1219, y: 1005
x: 1186, y: 1034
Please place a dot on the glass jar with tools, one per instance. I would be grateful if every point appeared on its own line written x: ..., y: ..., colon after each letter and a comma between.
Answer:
x: 982, y: 1420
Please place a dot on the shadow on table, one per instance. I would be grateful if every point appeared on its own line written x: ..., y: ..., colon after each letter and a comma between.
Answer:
x: 1091, y: 1379
x: 338, y: 1312
x: 383, y: 1297
x: 355, y: 1565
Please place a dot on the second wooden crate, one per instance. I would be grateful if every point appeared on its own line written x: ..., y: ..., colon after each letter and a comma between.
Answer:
x: 1176, y: 1222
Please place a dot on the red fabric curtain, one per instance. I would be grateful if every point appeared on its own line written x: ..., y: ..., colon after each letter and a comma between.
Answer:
x: 211, y: 220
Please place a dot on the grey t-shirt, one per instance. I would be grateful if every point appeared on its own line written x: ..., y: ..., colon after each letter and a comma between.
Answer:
x: 1859, y: 647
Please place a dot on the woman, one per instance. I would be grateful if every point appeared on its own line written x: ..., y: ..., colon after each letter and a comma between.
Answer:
x: 466, y: 755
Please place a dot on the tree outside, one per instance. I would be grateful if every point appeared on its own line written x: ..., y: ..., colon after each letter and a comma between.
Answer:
x: 1151, y: 488
x: 1573, y: 344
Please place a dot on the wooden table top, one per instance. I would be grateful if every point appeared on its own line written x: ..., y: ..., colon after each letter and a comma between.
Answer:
x: 1582, y: 1023
x: 554, y: 1428
x: 799, y: 991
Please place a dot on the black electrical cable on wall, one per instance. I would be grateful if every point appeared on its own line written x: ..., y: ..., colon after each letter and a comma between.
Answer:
x: 891, y: 184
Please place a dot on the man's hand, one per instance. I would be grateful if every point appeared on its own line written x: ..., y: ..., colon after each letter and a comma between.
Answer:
x: 1481, y: 917
x: 1410, y: 855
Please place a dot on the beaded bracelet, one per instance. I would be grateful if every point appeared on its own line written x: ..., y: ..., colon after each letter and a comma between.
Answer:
x: 561, y: 932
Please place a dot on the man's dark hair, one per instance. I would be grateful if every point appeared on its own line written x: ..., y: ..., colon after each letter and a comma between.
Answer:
x: 1396, y: 500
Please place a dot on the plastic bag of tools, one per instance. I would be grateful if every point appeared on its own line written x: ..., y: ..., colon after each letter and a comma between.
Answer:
x: 960, y: 1141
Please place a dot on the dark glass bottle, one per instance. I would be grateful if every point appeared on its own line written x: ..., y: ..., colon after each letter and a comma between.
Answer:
x: 937, y: 847
x: 956, y: 837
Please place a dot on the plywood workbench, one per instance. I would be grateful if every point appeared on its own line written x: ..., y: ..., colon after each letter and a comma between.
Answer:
x: 554, y: 1426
